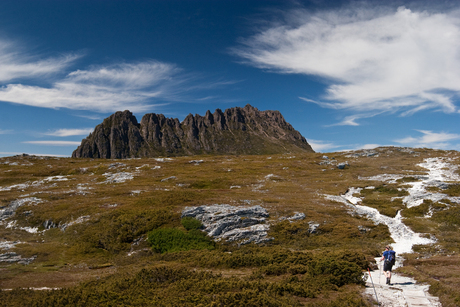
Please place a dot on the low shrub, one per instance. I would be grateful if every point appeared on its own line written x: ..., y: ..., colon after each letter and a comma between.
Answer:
x: 115, y: 231
x: 190, y: 223
x: 174, y: 240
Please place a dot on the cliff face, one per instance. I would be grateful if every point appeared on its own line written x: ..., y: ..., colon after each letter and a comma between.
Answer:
x: 234, y: 131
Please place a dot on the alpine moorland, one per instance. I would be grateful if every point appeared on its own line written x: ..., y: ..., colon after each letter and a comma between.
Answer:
x: 88, y: 232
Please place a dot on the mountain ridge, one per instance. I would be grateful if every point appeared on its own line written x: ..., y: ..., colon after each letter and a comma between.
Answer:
x: 233, y: 131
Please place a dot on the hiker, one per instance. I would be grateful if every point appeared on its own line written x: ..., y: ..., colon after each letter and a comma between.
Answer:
x: 389, y: 256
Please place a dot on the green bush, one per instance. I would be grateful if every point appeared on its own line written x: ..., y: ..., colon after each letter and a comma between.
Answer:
x: 190, y: 223
x: 174, y: 240
x: 115, y: 231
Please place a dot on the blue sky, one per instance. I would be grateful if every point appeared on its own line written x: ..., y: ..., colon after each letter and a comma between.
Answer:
x: 345, y: 74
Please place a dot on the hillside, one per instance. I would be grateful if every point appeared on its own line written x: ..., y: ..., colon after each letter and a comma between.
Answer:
x: 234, y: 131
x: 275, y: 230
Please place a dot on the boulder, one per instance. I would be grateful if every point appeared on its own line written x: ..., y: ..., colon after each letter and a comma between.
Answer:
x: 232, y: 223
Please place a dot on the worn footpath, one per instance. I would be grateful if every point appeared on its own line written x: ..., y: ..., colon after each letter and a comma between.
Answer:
x: 403, y: 291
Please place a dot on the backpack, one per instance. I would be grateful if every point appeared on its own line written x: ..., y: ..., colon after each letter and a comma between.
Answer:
x: 392, y: 257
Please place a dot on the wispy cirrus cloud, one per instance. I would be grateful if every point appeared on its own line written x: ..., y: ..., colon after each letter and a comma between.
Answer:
x: 53, y: 143
x: 138, y: 86
x: 15, y: 63
x: 322, y: 146
x: 374, y: 59
x: 103, y: 89
x: 431, y: 139
x: 69, y: 132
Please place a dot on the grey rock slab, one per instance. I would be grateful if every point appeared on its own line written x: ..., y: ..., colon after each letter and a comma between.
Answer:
x: 232, y: 223
x: 12, y: 257
x: 10, y: 210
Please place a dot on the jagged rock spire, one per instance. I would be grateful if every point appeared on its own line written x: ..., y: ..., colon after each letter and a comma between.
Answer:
x: 234, y: 131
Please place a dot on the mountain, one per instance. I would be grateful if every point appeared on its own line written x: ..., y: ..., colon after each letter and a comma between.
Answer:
x: 234, y: 131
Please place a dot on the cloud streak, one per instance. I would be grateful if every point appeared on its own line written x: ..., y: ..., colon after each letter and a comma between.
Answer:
x: 429, y: 139
x: 17, y: 64
x: 69, y: 132
x: 103, y: 89
x: 322, y: 146
x: 54, y: 143
x: 374, y: 59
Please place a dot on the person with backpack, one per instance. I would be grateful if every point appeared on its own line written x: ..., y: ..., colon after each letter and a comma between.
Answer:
x: 389, y: 255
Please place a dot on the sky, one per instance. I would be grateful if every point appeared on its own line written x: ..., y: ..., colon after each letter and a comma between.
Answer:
x: 346, y: 74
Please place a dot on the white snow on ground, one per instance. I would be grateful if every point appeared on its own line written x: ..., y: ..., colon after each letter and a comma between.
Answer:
x: 404, y: 291
x: 390, y: 178
x: 440, y: 172
x: 403, y: 236
x: 12, y: 225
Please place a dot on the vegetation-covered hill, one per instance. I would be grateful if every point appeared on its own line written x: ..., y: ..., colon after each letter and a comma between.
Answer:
x: 86, y: 227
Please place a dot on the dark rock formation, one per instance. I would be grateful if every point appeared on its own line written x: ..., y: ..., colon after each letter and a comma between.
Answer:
x: 235, y: 131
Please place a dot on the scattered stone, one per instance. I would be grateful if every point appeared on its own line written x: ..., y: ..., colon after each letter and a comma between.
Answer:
x: 118, y: 177
x: 48, y: 224
x: 116, y: 164
x: 298, y: 216
x: 231, y: 223
x: 6, y: 245
x: 80, y: 220
x: 313, y: 227
x: 169, y: 178
x: 12, y: 257
x: 10, y: 210
x: 142, y: 166
x: 197, y: 162
x: 342, y: 165
x: 363, y: 229
x: 163, y: 159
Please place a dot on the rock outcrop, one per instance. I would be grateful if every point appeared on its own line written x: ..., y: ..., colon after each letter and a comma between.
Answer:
x: 232, y: 224
x: 234, y: 131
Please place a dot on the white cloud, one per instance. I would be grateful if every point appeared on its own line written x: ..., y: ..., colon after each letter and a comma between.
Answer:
x: 375, y: 59
x: 321, y: 146
x: 16, y: 64
x: 6, y: 131
x: 70, y: 132
x: 54, y: 143
x: 103, y: 89
x: 429, y: 139
x: 368, y: 146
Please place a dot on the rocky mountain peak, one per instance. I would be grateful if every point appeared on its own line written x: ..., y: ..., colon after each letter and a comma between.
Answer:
x: 234, y: 131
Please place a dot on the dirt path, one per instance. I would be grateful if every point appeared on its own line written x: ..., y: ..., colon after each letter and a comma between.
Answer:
x: 403, y: 291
